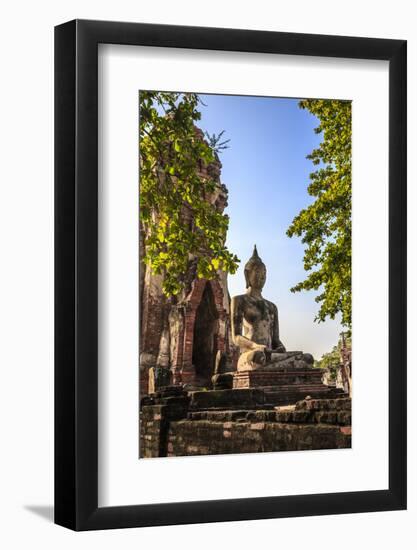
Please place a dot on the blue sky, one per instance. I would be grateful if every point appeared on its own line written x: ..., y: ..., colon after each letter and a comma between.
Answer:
x: 266, y: 172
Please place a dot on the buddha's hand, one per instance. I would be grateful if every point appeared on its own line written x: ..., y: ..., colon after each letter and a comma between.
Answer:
x: 258, y: 354
x: 260, y: 347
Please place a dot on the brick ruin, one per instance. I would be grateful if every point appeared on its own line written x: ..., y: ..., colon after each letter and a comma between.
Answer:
x: 183, y: 334
x: 177, y: 423
x: 185, y: 340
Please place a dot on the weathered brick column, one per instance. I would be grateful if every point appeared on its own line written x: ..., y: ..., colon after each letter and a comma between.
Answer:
x: 165, y: 407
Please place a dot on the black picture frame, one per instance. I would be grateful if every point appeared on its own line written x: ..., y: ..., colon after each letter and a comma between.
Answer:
x: 76, y: 272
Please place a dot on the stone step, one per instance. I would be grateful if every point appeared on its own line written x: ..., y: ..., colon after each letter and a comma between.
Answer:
x: 247, y: 398
x: 328, y: 411
x: 290, y: 396
x: 252, y: 398
x: 298, y: 387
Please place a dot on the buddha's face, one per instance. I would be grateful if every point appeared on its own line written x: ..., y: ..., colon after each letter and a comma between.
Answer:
x: 257, y: 276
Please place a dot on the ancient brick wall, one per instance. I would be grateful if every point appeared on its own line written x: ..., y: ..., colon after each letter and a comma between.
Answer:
x: 310, y: 424
x: 187, y: 437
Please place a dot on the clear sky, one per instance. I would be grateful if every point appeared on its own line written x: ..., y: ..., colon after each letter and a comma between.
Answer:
x: 266, y: 172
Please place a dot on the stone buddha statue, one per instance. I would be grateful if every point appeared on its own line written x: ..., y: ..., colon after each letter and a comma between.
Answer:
x: 255, y: 326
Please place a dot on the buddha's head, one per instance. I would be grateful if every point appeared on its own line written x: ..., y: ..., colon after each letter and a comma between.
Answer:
x: 255, y: 271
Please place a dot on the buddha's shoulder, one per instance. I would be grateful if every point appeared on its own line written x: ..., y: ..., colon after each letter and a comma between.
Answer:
x: 239, y: 298
x: 271, y: 305
x: 244, y: 298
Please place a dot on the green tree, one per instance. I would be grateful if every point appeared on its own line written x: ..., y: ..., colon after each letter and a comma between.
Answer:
x: 325, y: 225
x: 177, y: 220
x: 332, y: 359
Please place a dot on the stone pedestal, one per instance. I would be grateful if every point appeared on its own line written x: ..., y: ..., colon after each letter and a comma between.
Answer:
x: 284, y: 376
x: 286, y: 385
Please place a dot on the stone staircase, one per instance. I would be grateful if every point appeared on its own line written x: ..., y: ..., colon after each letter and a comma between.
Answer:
x: 290, y: 394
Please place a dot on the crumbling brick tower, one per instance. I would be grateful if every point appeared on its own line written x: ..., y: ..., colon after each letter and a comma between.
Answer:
x: 183, y: 333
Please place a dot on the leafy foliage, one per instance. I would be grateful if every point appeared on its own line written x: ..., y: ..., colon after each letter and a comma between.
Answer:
x: 215, y: 141
x: 332, y: 359
x: 177, y: 220
x: 325, y: 225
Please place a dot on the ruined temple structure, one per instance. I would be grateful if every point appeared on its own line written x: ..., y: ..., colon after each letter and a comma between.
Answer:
x: 344, y: 372
x: 215, y: 376
x: 181, y: 336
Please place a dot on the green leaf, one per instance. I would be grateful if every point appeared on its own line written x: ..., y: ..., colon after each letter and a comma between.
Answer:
x: 325, y: 225
x: 171, y: 152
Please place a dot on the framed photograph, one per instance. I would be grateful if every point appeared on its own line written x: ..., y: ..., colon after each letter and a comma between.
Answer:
x: 230, y: 238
